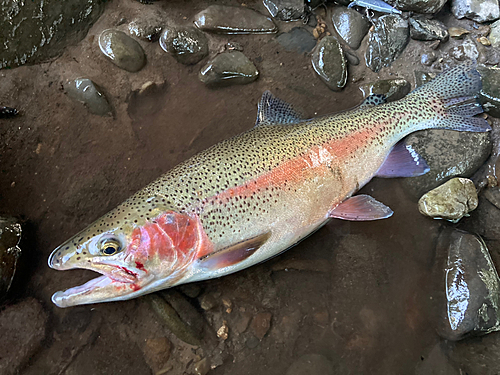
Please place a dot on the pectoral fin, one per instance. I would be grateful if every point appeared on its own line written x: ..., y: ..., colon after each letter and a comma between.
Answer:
x: 361, y: 208
x: 233, y: 254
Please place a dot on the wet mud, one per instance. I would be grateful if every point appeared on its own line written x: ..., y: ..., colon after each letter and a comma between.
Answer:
x: 356, y: 295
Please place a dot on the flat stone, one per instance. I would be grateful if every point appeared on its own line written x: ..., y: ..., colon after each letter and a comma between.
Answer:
x: 298, y: 39
x: 23, y: 327
x: 493, y: 196
x: 30, y: 39
x: 122, y: 50
x: 88, y: 93
x: 350, y: 25
x: 233, y: 20
x: 311, y: 364
x: 387, y: 41
x: 229, y: 68
x: 392, y: 89
x: 422, y: 28
x: 418, y: 6
x: 157, y: 352
x: 187, y: 44
x: 329, y: 62
x: 449, y: 154
x: 477, y: 10
x: 472, y: 287
x: 451, y: 201
x: 285, y: 10
x: 494, y: 36
x: 466, y: 51
x: 10, y: 235
x: 489, y: 96
x: 260, y: 324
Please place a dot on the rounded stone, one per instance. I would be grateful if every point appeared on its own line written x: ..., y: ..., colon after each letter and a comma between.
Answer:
x: 392, y: 89
x: 228, y: 68
x: 418, y: 6
x: 350, y: 25
x: 122, y: 50
x: 87, y: 92
x: 329, y: 62
x: 187, y: 44
x: 489, y: 96
x: 422, y: 28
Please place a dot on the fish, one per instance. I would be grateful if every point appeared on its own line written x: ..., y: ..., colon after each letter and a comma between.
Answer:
x: 376, y: 5
x: 251, y: 197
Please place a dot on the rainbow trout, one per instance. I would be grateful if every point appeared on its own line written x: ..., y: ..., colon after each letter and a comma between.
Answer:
x: 251, y: 197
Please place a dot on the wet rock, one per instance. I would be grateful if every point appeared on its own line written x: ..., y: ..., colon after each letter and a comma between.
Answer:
x: 494, y: 36
x: 147, y: 27
x: 493, y: 196
x: 8, y: 112
x: 88, y: 93
x: 477, y: 10
x: 202, y: 367
x: 23, y: 330
x: 192, y: 290
x: 157, y: 353
x: 207, y: 302
x: 122, y: 50
x: 311, y: 364
x: 418, y: 6
x: 187, y: 44
x: 422, y: 28
x: 351, y: 57
x: 428, y: 58
x: 422, y: 78
x: 261, y: 324
x: 329, y: 62
x: 466, y: 51
x: 298, y: 39
x: 393, y: 89
x: 228, y: 68
x: 233, y: 20
x: 35, y: 31
x: 458, y: 32
x: 171, y: 319
x: 350, y: 25
x: 10, y: 235
x: 489, y: 95
x: 285, y: 10
x: 451, y: 201
x: 241, y: 321
x: 223, y: 331
x: 449, y: 154
x: 472, y: 287
x: 386, y: 41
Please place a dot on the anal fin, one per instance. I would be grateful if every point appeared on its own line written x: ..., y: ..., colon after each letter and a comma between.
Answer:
x: 403, y: 161
x: 361, y: 208
x: 233, y: 254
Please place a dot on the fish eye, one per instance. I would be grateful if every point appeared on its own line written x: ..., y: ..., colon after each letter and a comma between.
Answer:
x: 110, y: 246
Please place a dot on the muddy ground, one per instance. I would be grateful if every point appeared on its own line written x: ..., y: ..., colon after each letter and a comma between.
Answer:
x: 359, y: 294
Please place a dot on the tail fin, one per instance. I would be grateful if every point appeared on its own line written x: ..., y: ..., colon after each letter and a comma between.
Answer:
x: 454, y: 92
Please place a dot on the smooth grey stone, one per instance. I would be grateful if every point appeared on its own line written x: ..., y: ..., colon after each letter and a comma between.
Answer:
x: 466, y: 51
x: 233, y: 20
x: 329, y: 62
x: 10, y: 235
x: 228, y: 68
x: 418, y: 6
x: 311, y: 364
x: 285, y: 10
x: 187, y: 44
x: 470, y: 302
x: 477, y: 10
x: 422, y: 78
x: 494, y: 36
x: 392, y: 89
x: 386, y: 41
x: 423, y: 29
x: 449, y: 154
x: 428, y: 58
x: 298, y: 39
x: 350, y: 25
x: 87, y: 92
x: 29, y: 39
x: 122, y: 50
x: 351, y: 57
x: 489, y: 96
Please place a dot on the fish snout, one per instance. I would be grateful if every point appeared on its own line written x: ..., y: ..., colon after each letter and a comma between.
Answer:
x: 59, y: 259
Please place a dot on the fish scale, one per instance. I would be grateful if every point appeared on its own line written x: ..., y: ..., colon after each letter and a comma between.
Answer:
x: 251, y: 197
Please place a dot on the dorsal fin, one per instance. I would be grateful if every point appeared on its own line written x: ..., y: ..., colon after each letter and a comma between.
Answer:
x: 273, y: 110
x: 373, y: 100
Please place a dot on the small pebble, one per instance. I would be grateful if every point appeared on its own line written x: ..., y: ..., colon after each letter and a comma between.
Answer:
x: 428, y: 58
x: 457, y: 32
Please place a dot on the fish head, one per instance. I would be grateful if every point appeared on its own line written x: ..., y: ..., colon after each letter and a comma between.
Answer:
x: 135, y: 256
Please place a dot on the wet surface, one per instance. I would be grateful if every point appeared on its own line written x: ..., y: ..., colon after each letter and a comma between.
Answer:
x: 355, y: 297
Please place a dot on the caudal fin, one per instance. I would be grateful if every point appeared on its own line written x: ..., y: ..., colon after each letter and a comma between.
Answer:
x: 453, y: 95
